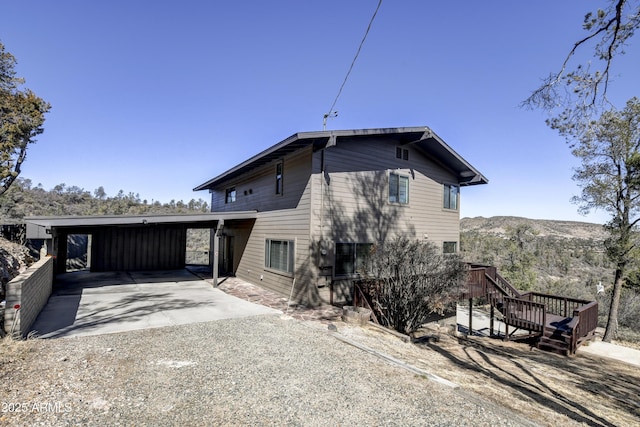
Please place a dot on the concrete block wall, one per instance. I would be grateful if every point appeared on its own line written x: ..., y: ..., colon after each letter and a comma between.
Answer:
x: 31, y: 290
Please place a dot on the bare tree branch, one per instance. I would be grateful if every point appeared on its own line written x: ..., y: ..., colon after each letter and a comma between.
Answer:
x: 581, y: 91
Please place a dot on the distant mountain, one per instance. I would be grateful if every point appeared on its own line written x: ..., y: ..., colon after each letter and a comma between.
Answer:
x: 562, y: 229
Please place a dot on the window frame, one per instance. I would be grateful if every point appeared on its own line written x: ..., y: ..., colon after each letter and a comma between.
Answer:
x: 447, y: 252
x: 399, y: 178
x: 356, y: 261
x: 402, y: 153
x: 230, y: 195
x: 289, y: 257
x: 446, y: 197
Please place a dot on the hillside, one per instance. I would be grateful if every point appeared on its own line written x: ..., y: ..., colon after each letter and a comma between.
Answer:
x: 561, y: 229
x: 564, y: 257
x: 23, y: 199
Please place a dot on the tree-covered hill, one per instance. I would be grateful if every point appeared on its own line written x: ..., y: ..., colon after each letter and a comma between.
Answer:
x: 24, y: 199
x: 558, y: 257
x: 543, y: 255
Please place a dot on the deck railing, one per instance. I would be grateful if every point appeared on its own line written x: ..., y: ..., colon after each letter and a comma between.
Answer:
x: 525, y: 314
x: 476, y: 283
x: 528, y: 310
x: 482, y: 278
x: 560, y: 306
x: 506, y: 286
x: 585, y: 321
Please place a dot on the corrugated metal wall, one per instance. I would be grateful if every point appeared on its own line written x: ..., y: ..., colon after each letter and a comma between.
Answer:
x: 158, y: 247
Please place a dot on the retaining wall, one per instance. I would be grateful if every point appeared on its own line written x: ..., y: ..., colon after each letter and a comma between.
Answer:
x: 31, y: 290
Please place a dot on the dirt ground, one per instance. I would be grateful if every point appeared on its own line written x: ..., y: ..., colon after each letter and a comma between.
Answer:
x: 550, y: 389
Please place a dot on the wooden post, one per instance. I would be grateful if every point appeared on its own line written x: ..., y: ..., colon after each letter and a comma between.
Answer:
x: 491, y: 322
x: 470, y: 316
x: 216, y: 250
x: 331, y: 292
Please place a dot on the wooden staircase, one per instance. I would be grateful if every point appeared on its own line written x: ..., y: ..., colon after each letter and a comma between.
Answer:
x: 559, y: 324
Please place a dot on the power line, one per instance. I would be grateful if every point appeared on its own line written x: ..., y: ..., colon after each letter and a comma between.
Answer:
x: 332, y: 113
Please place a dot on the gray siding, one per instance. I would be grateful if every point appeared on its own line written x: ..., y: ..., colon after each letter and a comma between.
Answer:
x: 350, y: 200
x: 283, y: 224
x: 256, y: 190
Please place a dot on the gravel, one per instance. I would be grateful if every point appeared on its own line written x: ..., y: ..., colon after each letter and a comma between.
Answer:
x: 262, y: 370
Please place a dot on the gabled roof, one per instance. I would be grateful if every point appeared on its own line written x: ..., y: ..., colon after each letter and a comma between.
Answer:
x: 422, y: 137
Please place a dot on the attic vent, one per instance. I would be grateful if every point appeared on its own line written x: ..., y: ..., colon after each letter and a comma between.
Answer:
x: 402, y: 153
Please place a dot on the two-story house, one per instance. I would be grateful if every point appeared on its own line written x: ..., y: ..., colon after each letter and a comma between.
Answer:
x: 323, y: 198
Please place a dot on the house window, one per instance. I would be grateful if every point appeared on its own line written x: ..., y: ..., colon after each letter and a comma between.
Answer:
x: 230, y: 195
x: 278, y: 255
x: 451, y: 196
x: 449, y: 247
x: 398, y: 189
x: 279, y: 168
x: 402, y: 153
x: 351, y: 258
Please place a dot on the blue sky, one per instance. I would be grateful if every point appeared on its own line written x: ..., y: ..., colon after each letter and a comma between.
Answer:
x: 156, y: 97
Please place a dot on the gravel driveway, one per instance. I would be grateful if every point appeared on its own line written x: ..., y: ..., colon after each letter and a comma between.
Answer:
x: 262, y: 370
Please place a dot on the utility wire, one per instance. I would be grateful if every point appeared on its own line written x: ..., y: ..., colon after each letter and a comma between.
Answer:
x: 332, y: 113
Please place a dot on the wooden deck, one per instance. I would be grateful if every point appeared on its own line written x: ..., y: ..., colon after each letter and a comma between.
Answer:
x: 560, y: 324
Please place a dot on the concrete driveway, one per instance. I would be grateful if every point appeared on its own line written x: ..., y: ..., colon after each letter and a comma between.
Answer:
x: 84, y: 303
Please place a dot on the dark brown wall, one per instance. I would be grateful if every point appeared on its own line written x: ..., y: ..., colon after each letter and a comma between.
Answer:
x: 158, y: 247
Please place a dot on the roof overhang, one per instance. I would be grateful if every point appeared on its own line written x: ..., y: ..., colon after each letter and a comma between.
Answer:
x: 423, y: 137
x: 39, y: 227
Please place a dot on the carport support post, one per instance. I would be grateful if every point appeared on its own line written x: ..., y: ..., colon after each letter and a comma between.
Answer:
x: 216, y: 250
x: 470, y: 316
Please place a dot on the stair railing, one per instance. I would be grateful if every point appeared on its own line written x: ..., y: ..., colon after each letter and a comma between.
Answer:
x: 585, y: 321
x: 525, y: 314
x: 508, y: 287
x: 560, y: 306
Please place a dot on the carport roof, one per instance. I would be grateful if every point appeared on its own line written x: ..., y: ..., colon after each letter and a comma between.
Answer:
x: 107, y: 220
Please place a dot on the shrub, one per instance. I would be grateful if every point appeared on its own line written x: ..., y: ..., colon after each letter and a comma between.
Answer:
x: 409, y: 280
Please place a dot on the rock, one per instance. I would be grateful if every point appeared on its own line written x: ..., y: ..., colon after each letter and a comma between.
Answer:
x: 359, y: 315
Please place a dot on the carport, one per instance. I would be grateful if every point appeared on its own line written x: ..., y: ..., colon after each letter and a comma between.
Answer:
x: 135, y: 242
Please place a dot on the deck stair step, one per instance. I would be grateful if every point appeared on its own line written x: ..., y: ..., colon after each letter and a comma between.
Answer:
x: 555, y: 346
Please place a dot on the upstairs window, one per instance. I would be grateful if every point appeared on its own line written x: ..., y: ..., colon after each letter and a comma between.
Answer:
x: 451, y: 196
x: 279, y: 169
x: 402, y: 153
x: 230, y: 195
x: 398, y: 189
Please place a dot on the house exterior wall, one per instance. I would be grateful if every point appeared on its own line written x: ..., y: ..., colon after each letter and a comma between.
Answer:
x: 256, y: 190
x: 337, y: 194
x: 350, y: 202
x: 352, y: 199
x: 281, y: 217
